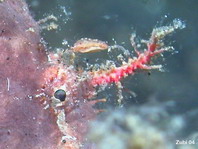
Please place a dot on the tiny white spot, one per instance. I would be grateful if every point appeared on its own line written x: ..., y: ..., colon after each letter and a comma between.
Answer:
x: 8, y: 84
x: 46, y: 107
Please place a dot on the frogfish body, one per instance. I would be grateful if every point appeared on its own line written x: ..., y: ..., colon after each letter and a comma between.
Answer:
x: 30, y: 116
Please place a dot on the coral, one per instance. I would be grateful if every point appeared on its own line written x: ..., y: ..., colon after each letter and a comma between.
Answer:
x: 149, y: 126
x: 145, y: 127
x: 121, y: 130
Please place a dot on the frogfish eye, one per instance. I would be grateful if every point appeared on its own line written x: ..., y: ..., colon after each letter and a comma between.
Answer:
x: 60, y: 94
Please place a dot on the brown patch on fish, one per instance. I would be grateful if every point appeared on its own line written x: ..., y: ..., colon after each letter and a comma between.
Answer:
x: 87, y: 45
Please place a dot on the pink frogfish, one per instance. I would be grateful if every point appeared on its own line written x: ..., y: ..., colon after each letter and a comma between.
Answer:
x: 44, y: 103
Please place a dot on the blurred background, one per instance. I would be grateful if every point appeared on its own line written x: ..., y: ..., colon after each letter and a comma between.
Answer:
x: 114, y: 21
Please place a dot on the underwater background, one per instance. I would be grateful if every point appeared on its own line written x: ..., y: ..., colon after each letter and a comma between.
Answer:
x: 176, y: 88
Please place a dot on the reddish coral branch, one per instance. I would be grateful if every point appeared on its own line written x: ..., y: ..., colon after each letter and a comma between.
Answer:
x: 154, y: 47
